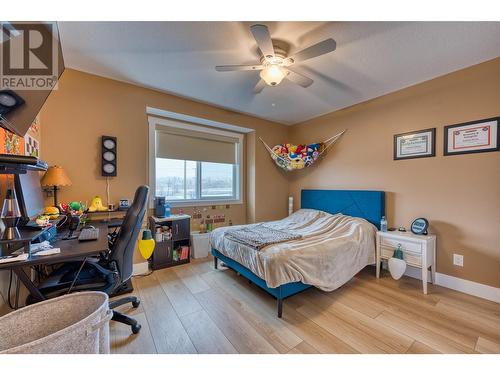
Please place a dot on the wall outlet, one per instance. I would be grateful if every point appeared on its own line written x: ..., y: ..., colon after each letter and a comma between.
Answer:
x: 458, y: 260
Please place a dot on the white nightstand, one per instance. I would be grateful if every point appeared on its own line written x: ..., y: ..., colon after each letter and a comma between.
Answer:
x: 419, y: 251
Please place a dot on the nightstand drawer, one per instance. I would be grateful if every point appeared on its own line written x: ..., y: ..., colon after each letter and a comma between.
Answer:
x: 386, y: 252
x: 413, y: 259
x: 406, y: 245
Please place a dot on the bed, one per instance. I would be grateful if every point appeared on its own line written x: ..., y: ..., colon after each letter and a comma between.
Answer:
x: 337, y: 239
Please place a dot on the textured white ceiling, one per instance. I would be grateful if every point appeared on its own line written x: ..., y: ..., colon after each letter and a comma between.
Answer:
x: 372, y: 59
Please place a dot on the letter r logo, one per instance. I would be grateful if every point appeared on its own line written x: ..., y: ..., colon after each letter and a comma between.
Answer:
x: 27, y: 49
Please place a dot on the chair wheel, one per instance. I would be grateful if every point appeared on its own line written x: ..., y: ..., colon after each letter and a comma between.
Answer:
x: 136, y: 328
x: 136, y: 303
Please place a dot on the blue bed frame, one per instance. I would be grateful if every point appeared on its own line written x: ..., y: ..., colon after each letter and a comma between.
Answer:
x: 367, y: 204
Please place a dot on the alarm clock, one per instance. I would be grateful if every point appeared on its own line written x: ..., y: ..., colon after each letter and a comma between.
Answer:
x: 124, y: 204
x: 420, y: 226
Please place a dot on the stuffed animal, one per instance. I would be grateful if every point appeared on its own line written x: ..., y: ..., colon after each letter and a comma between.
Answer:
x: 278, y: 149
x: 308, y: 160
x: 297, y: 163
x: 96, y: 205
x: 282, y: 163
x: 75, y: 206
x: 290, y: 157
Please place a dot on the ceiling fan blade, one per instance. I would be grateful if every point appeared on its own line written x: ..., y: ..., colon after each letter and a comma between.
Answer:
x: 263, y: 39
x: 318, y: 49
x: 231, y: 68
x: 298, y: 78
x: 259, y: 86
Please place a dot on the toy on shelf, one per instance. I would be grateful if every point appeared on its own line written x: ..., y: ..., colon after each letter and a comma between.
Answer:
x: 71, y: 209
x: 42, y: 220
x: 74, y: 208
x: 203, y: 227
x: 51, y: 212
x: 63, y: 207
x: 96, y: 205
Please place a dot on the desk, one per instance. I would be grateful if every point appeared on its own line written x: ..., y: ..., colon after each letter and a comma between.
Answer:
x: 112, y: 223
x: 70, y: 250
x: 109, y: 217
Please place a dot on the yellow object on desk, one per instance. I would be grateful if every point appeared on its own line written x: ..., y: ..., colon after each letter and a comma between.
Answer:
x: 51, y: 212
x: 96, y: 205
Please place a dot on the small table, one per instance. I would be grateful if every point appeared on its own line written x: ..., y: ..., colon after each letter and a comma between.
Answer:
x: 418, y: 251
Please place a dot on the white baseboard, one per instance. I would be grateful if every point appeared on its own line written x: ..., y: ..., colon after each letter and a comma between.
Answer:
x: 416, y: 273
x: 469, y: 287
x: 465, y: 286
x: 140, y: 268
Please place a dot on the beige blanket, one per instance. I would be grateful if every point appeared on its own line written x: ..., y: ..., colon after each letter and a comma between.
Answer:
x: 333, y: 248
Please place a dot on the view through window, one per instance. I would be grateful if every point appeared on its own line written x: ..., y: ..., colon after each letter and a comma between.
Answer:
x: 195, y: 180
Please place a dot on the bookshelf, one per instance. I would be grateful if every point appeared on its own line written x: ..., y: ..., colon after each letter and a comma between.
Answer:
x: 172, y: 240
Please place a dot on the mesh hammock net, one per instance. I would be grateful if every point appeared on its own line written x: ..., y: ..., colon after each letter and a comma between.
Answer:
x: 291, y: 157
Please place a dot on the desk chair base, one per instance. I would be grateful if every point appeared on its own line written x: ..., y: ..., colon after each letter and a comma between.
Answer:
x: 123, y: 289
x: 122, y: 318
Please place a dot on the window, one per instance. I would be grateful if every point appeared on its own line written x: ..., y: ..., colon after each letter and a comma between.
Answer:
x: 193, y: 164
x: 176, y: 179
x: 194, y: 180
x: 217, y: 180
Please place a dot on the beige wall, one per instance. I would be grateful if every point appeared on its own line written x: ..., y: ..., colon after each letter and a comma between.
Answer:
x: 87, y: 106
x: 460, y: 194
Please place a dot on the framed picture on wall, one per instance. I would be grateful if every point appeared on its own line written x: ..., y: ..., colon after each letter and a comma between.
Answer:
x: 472, y: 137
x: 415, y: 144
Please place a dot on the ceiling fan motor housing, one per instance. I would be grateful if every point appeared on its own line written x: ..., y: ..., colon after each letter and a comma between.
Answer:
x: 280, y: 55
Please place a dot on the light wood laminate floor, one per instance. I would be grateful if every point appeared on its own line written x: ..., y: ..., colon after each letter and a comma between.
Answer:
x: 196, y: 309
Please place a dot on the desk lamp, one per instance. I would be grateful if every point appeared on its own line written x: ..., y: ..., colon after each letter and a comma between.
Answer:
x: 10, y: 215
x: 55, y: 177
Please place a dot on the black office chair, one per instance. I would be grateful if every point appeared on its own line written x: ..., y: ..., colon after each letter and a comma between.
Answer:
x: 111, y: 271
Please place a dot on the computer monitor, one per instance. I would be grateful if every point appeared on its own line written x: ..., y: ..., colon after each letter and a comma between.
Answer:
x: 29, y: 195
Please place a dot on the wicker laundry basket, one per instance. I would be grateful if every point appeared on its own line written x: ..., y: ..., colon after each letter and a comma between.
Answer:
x: 73, y: 323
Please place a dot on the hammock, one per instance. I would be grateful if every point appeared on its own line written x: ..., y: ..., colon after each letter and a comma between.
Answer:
x: 290, y: 157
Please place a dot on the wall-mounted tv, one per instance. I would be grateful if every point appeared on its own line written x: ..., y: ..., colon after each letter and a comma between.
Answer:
x: 31, y: 62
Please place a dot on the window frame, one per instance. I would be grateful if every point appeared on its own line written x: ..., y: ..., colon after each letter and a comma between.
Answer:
x: 237, y: 168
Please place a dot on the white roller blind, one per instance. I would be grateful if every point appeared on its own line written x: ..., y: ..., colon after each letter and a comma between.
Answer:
x: 182, y: 144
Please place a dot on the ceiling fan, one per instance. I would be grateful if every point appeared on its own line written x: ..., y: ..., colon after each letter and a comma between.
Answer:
x: 275, y: 63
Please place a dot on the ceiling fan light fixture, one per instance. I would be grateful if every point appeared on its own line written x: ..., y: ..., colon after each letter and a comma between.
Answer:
x: 275, y: 63
x: 272, y: 75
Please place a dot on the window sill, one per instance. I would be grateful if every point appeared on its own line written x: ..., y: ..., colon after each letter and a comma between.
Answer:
x: 201, y: 203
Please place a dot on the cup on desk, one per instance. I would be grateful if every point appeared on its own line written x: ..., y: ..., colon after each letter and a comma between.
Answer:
x: 111, y: 207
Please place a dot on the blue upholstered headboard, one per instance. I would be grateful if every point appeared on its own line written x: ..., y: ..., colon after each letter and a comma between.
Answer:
x: 369, y: 205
